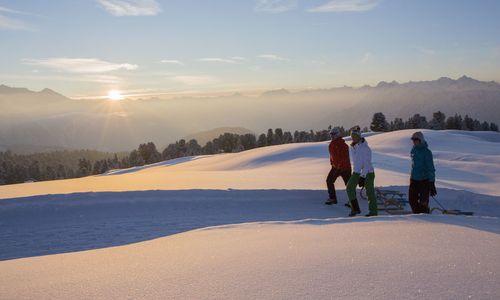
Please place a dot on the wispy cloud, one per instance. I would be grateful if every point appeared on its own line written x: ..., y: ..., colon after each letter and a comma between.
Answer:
x: 194, y: 79
x: 273, y: 57
x: 172, y: 62
x: 9, y: 23
x: 17, y: 12
x: 255, y: 68
x: 367, y: 57
x: 275, y: 6
x: 101, y: 78
x: 131, y: 7
x: 426, y: 51
x: 346, y: 5
x: 12, y: 11
x: 238, y: 58
x: 79, y: 65
x: 218, y: 60
x: 94, y: 78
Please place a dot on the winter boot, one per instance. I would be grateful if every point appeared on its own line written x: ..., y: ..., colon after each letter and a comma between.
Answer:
x: 425, y: 208
x: 331, y: 201
x: 354, y: 208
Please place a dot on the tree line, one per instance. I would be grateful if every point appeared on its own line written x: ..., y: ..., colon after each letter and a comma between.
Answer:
x: 19, y: 168
x: 439, y: 121
x: 16, y: 168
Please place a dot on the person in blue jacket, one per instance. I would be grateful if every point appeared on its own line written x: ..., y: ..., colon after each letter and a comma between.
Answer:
x: 422, y: 175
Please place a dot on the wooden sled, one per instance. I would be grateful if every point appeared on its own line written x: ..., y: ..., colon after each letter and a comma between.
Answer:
x: 390, y: 201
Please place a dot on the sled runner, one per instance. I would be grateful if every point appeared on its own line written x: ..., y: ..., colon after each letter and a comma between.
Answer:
x: 456, y: 212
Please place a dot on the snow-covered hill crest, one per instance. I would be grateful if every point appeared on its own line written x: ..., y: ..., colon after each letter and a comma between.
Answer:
x: 464, y: 161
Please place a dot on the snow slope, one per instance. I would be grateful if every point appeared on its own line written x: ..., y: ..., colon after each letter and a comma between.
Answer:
x: 54, y: 224
x: 166, y: 231
x: 414, y: 257
x: 464, y: 160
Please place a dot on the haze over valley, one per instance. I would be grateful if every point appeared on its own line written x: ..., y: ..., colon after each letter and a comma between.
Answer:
x: 48, y: 119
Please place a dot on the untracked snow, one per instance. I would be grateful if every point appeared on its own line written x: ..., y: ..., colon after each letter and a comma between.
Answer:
x: 403, y: 258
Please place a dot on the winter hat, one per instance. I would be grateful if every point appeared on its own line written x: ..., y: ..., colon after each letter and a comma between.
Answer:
x: 335, y: 132
x: 418, y: 136
x: 356, y: 132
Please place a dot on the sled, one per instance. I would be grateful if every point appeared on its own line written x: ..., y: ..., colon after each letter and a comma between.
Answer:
x: 390, y: 201
x: 445, y: 211
x: 455, y: 212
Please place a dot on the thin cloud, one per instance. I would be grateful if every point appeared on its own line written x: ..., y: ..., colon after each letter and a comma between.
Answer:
x: 316, y: 62
x: 4, y: 9
x: 238, y: 58
x: 100, y: 78
x: 194, y: 79
x: 275, y: 6
x: 172, y: 62
x: 12, y: 11
x: 273, y: 57
x: 131, y: 7
x: 255, y: 68
x: 218, y: 60
x: 79, y: 65
x: 9, y: 23
x: 94, y: 78
x: 427, y: 51
x: 346, y: 6
x: 367, y: 57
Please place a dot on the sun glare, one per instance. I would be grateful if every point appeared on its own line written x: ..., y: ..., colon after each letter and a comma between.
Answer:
x: 115, y: 95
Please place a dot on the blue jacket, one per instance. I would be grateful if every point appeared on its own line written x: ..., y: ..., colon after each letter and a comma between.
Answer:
x: 422, y: 164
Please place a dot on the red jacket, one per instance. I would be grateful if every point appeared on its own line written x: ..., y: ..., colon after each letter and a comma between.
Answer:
x: 339, y: 154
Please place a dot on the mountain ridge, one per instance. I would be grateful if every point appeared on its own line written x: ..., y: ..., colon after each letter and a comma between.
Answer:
x: 45, y: 119
x: 441, y: 81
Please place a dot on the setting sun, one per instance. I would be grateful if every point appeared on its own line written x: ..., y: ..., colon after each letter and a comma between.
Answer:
x: 115, y: 95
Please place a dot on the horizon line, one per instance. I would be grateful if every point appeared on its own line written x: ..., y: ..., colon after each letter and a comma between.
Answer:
x: 249, y: 92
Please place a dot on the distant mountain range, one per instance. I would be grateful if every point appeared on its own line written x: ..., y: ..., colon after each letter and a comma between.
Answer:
x: 49, y: 119
x: 9, y: 93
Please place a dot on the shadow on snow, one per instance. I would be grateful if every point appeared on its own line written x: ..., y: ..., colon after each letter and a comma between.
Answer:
x: 53, y: 224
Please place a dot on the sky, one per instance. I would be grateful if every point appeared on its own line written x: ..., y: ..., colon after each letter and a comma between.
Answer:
x: 85, y: 48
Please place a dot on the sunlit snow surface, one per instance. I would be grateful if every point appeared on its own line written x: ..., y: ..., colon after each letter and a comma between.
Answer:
x: 261, y: 230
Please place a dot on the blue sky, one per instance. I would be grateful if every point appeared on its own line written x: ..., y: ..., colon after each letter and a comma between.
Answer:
x: 87, y: 47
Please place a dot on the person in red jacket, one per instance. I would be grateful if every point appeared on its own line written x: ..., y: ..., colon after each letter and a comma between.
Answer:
x: 341, y: 164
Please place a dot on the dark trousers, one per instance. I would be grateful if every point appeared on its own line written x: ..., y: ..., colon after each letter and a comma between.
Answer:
x: 418, y: 196
x: 332, y: 177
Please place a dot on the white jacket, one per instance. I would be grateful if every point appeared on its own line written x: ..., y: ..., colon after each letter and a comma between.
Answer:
x: 362, y: 158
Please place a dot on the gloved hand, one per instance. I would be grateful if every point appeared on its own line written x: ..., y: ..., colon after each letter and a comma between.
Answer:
x: 361, y: 181
x: 432, y: 189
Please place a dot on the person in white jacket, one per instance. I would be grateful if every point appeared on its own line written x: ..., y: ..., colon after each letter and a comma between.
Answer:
x: 363, y: 174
